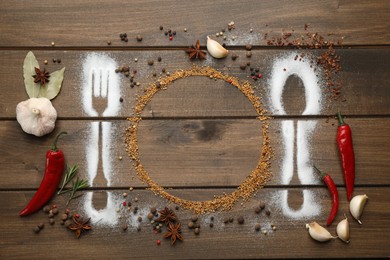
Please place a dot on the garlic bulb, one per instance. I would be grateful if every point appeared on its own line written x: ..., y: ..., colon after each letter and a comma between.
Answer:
x: 319, y: 233
x: 215, y: 49
x: 343, y: 230
x: 36, y: 116
x: 356, y: 206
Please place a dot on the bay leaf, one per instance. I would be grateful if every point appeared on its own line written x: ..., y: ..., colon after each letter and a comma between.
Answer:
x: 53, y: 87
x: 30, y: 62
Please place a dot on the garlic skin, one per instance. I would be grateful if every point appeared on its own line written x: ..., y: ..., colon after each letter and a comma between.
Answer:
x: 343, y: 230
x: 319, y: 233
x: 215, y: 49
x: 36, y: 116
x: 356, y: 206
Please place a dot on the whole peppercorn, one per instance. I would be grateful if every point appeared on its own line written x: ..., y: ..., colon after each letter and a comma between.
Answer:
x: 58, y: 61
x: 267, y: 212
x: 231, y: 219
x: 262, y: 205
x: 257, y: 227
x: 226, y: 220
x: 41, y: 225
x: 234, y: 56
x: 45, y: 61
x: 121, y: 100
x: 150, y: 62
x: 211, y: 225
x: 190, y: 224
x: 139, y: 219
x: 197, y: 231
x: 159, y: 59
x: 161, y: 28
x: 257, y: 210
x: 36, y: 230
x: 240, y: 220
x: 194, y: 218
x: 150, y: 216
x: 64, y: 216
x: 55, y: 211
x: 124, y: 227
x: 243, y: 66
x: 249, y: 54
x: 51, y: 221
x: 139, y: 38
x: 248, y: 47
x: 46, y: 209
x: 108, y: 42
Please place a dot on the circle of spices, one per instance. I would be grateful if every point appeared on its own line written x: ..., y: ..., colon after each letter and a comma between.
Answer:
x: 254, y: 181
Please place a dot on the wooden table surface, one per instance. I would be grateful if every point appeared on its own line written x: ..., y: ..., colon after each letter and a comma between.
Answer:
x: 199, y: 138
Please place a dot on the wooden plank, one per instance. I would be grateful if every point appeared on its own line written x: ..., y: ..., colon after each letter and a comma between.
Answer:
x: 365, y: 78
x: 77, y: 25
x: 195, y: 153
x: 290, y: 240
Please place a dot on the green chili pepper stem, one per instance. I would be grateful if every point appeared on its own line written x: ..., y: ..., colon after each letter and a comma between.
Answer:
x: 322, y: 174
x: 54, y: 147
x: 341, y: 121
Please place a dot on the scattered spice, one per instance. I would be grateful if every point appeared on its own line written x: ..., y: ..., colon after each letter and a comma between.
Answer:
x: 257, y: 227
x: 174, y: 231
x: 41, y: 76
x: 194, y: 52
x: 79, y: 225
x: 197, y: 231
x: 256, y: 179
x: 167, y: 216
x: 139, y: 38
x: 240, y: 220
x: 248, y: 47
x: 234, y: 56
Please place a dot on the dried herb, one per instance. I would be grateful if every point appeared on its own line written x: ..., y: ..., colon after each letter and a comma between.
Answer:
x: 174, y: 231
x: 35, y: 79
x: 167, y: 216
x: 77, y: 185
x: 194, y: 52
x: 79, y: 225
x: 41, y: 76
x: 69, y: 175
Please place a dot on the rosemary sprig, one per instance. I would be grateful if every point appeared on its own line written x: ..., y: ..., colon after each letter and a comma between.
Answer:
x: 77, y: 185
x: 69, y: 175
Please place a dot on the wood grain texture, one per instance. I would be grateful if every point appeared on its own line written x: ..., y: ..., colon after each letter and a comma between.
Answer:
x: 38, y: 24
x: 200, y: 137
x: 194, y: 153
x: 222, y: 241
x: 364, y: 76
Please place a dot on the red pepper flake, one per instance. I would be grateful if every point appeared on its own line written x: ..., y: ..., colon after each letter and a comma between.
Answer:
x: 158, y: 242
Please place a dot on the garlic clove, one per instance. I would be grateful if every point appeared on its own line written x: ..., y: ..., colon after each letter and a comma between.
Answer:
x: 343, y: 230
x: 319, y: 233
x: 215, y: 49
x: 356, y: 206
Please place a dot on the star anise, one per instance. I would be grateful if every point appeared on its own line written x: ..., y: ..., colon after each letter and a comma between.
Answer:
x: 194, y: 52
x: 167, y: 216
x: 42, y: 76
x: 174, y: 231
x: 79, y: 225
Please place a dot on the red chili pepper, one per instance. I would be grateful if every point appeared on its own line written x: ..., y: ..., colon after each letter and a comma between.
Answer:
x: 55, y: 164
x: 333, y: 192
x: 344, y: 141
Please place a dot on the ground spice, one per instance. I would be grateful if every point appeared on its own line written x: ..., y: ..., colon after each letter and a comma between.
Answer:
x: 256, y: 179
